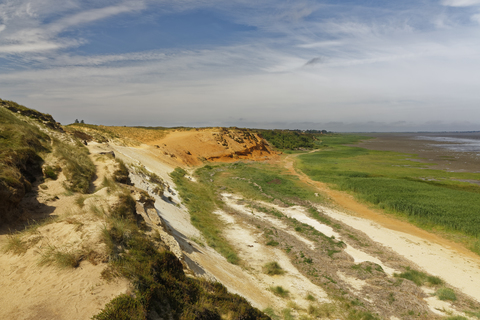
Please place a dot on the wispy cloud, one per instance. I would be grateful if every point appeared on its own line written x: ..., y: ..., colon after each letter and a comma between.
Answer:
x: 461, y: 3
x: 28, y: 34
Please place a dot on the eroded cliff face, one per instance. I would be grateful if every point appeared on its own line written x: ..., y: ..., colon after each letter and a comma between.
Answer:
x: 195, y: 147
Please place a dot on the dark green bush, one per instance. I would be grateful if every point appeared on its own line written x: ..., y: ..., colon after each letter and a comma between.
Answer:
x: 123, y: 307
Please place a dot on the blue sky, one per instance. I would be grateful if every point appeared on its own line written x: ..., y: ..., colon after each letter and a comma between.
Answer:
x: 335, y: 65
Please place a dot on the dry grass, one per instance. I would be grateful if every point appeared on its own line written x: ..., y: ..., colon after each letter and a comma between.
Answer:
x: 15, y: 244
x: 60, y: 257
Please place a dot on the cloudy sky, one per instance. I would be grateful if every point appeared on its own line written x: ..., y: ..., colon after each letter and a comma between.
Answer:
x: 352, y: 65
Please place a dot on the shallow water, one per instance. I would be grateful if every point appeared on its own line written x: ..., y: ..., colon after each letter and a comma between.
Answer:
x: 454, y: 143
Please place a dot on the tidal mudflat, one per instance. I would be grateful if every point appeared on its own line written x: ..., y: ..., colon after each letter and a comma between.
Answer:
x: 455, y: 152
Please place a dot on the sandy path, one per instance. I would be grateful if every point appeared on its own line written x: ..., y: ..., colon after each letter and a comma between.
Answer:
x: 451, y: 261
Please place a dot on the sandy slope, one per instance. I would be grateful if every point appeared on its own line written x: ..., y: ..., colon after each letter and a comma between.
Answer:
x: 457, y: 267
x: 31, y: 291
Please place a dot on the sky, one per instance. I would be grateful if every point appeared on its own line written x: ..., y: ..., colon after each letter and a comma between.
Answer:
x: 352, y: 65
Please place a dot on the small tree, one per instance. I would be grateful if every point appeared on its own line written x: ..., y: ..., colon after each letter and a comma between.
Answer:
x: 82, y: 121
x: 76, y: 121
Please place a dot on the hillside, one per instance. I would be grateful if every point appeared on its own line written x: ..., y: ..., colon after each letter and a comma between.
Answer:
x: 182, y: 223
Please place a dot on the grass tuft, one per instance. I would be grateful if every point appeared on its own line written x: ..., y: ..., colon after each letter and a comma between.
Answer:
x: 273, y: 268
x: 419, y: 278
x: 15, y: 244
x: 446, y: 294
x: 60, y: 258
x: 280, y: 291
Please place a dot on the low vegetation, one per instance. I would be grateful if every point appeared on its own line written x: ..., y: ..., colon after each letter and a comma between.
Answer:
x: 446, y: 294
x: 161, y: 286
x: 201, y: 203
x: 62, y: 258
x: 419, y: 278
x: 289, y: 139
x: 280, y: 291
x: 15, y: 244
x: 273, y: 268
x: 78, y: 168
x: 429, y: 198
x: 21, y: 144
x: 259, y: 182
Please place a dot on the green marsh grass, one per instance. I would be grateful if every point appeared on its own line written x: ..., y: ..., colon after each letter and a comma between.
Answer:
x: 429, y: 198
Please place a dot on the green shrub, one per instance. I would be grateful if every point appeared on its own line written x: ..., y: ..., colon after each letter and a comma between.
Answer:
x: 446, y: 294
x: 287, y: 314
x: 51, y: 172
x: 288, y: 139
x: 272, y: 243
x: 271, y: 313
x: 123, y: 307
x: 361, y: 315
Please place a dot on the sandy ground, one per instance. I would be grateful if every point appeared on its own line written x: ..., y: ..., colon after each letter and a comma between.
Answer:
x: 31, y: 291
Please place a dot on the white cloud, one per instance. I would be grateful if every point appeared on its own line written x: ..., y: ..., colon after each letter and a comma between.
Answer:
x: 28, y: 35
x: 93, y: 15
x: 460, y: 3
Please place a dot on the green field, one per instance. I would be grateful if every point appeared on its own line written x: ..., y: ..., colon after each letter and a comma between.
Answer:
x: 429, y: 198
